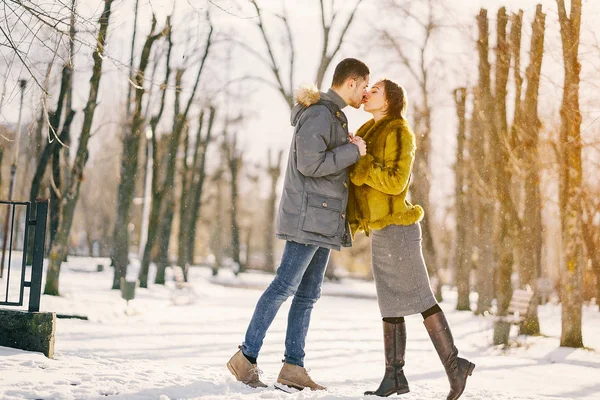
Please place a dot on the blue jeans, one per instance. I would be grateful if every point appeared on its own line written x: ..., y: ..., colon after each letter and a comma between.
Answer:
x: 300, y: 274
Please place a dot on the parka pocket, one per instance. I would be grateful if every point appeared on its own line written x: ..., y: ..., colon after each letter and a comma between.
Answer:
x: 323, y: 214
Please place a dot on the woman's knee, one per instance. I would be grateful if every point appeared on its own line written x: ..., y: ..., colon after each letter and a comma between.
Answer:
x: 430, y: 311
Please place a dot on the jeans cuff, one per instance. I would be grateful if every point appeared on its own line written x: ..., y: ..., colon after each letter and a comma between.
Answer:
x: 247, y: 351
x: 294, y: 361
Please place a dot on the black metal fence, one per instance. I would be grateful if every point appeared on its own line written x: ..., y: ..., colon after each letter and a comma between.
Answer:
x: 15, y: 231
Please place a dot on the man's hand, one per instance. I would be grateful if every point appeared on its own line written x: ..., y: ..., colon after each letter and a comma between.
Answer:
x: 361, y: 144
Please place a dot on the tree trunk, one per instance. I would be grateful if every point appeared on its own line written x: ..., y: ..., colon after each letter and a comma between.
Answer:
x: 179, y: 124
x: 162, y: 259
x: 274, y: 171
x: 1, y: 157
x: 591, y: 239
x: 129, y: 163
x: 531, y: 237
x: 234, y: 158
x: 461, y: 258
x: 499, y: 151
x: 570, y: 190
x: 421, y: 187
x: 161, y: 191
x: 186, y: 183
x: 217, y: 232
x: 483, y: 168
x: 59, y: 248
x: 52, y: 146
x: 192, y: 201
x: 198, y: 187
x: 248, y: 246
x: 55, y: 196
x: 131, y: 57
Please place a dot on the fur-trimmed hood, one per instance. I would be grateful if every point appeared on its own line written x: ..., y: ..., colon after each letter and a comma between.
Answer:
x: 306, y: 96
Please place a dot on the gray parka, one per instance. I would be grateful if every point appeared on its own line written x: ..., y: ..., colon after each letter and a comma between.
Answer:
x: 312, y: 209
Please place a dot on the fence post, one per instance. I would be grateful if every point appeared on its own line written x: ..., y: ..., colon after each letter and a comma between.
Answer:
x: 37, y: 264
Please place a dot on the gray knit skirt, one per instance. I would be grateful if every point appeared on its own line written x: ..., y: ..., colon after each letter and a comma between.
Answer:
x: 399, y: 270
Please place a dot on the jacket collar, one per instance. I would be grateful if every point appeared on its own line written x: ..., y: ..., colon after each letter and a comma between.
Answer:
x: 370, y: 127
x: 336, y: 98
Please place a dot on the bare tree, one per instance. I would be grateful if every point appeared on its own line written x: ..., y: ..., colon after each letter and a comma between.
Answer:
x: 274, y: 171
x: 164, y: 238
x: 52, y: 149
x: 216, y: 239
x: 504, y: 243
x: 529, y: 125
x: 59, y: 248
x: 131, y: 57
x: 234, y: 158
x: 461, y: 253
x: 191, y: 196
x: 328, y: 54
x: 591, y: 236
x: 482, y: 171
x: 57, y: 170
x: 129, y: 158
x: 180, y: 121
x: 285, y: 85
x: 570, y: 187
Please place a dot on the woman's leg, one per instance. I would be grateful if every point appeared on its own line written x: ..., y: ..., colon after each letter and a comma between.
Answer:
x: 429, y: 312
x: 394, y: 344
x: 457, y: 369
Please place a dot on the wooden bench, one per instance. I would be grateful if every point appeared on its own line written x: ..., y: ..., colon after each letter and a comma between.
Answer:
x: 520, y: 303
x: 181, y: 287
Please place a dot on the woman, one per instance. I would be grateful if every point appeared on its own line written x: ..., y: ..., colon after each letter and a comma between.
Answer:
x: 378, y: 206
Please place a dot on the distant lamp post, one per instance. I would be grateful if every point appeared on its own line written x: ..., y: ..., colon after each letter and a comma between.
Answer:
x: 147, y: 194
x: 13, y: 173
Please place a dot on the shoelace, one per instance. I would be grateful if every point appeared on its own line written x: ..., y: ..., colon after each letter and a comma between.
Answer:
x: 256, y: 371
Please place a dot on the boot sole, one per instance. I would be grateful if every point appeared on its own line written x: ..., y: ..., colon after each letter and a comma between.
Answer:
x: 287, y: 388
x: 230, y: 368
x: 401, y: 391
x: 295, y: 386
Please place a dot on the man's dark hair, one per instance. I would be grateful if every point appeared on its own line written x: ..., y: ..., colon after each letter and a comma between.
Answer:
x: 349, y: 68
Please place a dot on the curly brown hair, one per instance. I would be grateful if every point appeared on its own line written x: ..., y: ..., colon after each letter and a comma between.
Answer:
x: 395, y: 96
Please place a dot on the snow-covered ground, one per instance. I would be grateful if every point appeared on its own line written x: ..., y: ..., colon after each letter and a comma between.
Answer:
x: 160, y: 350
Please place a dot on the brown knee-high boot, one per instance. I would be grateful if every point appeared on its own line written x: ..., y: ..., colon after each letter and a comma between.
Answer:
x: 394, y: 343
x: 457, y: 369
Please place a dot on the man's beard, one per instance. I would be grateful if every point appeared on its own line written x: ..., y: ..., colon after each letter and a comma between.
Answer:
x: 356, y: 103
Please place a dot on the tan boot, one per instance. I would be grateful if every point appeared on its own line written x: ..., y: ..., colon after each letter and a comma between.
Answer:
x: 297, y: 378
x: 244, y: 371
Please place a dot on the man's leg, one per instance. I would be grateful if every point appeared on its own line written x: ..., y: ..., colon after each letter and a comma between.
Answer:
x: 294, y: 262
x: 306, y: 296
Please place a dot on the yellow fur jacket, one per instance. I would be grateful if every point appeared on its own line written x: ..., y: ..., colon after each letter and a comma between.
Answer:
x: 380, y: 180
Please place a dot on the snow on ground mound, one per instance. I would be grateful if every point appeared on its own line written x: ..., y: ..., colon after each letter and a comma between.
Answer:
x: 160, y: 350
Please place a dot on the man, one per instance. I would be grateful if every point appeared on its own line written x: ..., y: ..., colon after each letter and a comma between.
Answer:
x: 311, y: 220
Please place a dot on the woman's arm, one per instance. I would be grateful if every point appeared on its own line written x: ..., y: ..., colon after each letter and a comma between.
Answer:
x: 392, y: 177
